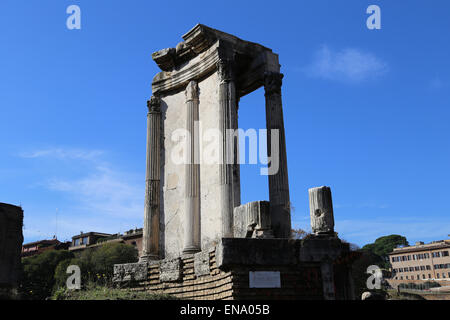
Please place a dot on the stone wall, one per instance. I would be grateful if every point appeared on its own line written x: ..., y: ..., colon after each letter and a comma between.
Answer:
x: 223, y: 272
x: 11, y: 238
x: 296, y: 283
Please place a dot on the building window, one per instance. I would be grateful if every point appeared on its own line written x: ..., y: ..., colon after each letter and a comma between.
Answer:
x: 423, y: 276
x: 77, y: 242
x: 445, y: 253
x: 407, y: 278
x: 428, y: 268
x: 437, y: 275
x: 416, y: 268
x: 429, y: 276
x: 401, y: 278
x: 422, y: 267
x: 411, y: 269
x: 418, y: 277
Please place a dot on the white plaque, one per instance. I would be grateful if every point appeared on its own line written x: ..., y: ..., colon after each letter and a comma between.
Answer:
x: 264, y: 279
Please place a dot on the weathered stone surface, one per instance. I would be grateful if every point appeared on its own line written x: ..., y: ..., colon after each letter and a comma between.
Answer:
x: 192, y: 241
x: 151, y: 232
x: 170, y: 270
x: 238, y: 251
x: 260, y: 252
x: 130, y: 272
x: 252, y: 220
x: 280, y: 206
x: 321, y: 210
x: 322, y: 248
x: 11, y: 238
x: 326, y: 269
x: 201, y: 263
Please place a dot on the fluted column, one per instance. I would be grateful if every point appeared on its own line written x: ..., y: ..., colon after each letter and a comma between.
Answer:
x: 150, y: 239
x: 236, y: 164
x: 278, y: 175
x: 227, y: 103
x: 192, y: 194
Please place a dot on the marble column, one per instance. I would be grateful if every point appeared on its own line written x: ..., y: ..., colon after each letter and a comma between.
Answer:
x: 236, y: 165
x: 192, y: 195
x: 227, y: 107
x: 278, y: 178
x: 321, y: 210
x: 150, y: 238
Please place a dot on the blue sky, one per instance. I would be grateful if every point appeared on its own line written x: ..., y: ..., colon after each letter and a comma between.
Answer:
x: 366, y: 111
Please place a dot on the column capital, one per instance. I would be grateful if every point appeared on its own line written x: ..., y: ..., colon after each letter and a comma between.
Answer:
x: 154, y: 104
x: 273, y: 82
x: 191, y: 91
x: 225, y: 69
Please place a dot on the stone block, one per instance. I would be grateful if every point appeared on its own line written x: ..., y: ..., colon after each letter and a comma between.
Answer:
x: 252, y: 220
x: 130, y: 272
x: 170, y: 270
x: 255, y: 252
x: 201, y: 264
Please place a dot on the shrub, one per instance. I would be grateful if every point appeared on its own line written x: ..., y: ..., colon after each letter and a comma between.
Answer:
x: 38, y: 273
x: 97, y: 265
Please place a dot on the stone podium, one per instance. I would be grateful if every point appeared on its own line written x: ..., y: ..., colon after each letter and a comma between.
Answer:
x: 196, y: 231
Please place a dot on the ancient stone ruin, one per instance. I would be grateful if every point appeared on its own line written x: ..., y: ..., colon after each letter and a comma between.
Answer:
x: 11, y: 238
x: 199, y: 241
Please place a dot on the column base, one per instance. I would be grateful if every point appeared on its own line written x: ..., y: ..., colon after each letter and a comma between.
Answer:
x: 191, y: 249
x: 149, y: 257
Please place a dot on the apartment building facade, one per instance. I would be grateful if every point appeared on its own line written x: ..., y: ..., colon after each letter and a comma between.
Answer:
x: 421, y: 262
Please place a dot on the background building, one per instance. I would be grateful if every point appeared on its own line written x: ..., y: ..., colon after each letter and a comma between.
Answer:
x: 421, y: 262
x: 37, y: 247
x: 95, y: 239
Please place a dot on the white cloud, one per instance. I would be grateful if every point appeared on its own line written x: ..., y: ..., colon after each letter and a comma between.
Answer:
x: 104, y: 192
x: 61, y: 153
x: 347, y: 65
x: 101, y: 198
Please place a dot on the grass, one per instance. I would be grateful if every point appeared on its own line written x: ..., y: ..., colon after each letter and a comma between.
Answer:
x: 95, y: 292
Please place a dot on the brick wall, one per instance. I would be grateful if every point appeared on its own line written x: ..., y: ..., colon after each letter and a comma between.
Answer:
x: 297, y: 282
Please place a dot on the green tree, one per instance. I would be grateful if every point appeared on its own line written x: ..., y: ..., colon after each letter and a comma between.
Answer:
x: 385, y: 245
x: 38, y: 273
x: 97, y: 265
x: 104, y: 258
x: 359, y: 270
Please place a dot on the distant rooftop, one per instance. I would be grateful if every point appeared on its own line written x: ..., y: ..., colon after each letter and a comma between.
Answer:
x: 420, y: 246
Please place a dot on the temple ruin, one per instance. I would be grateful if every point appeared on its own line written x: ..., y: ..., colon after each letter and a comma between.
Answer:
x: 199, y: 241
